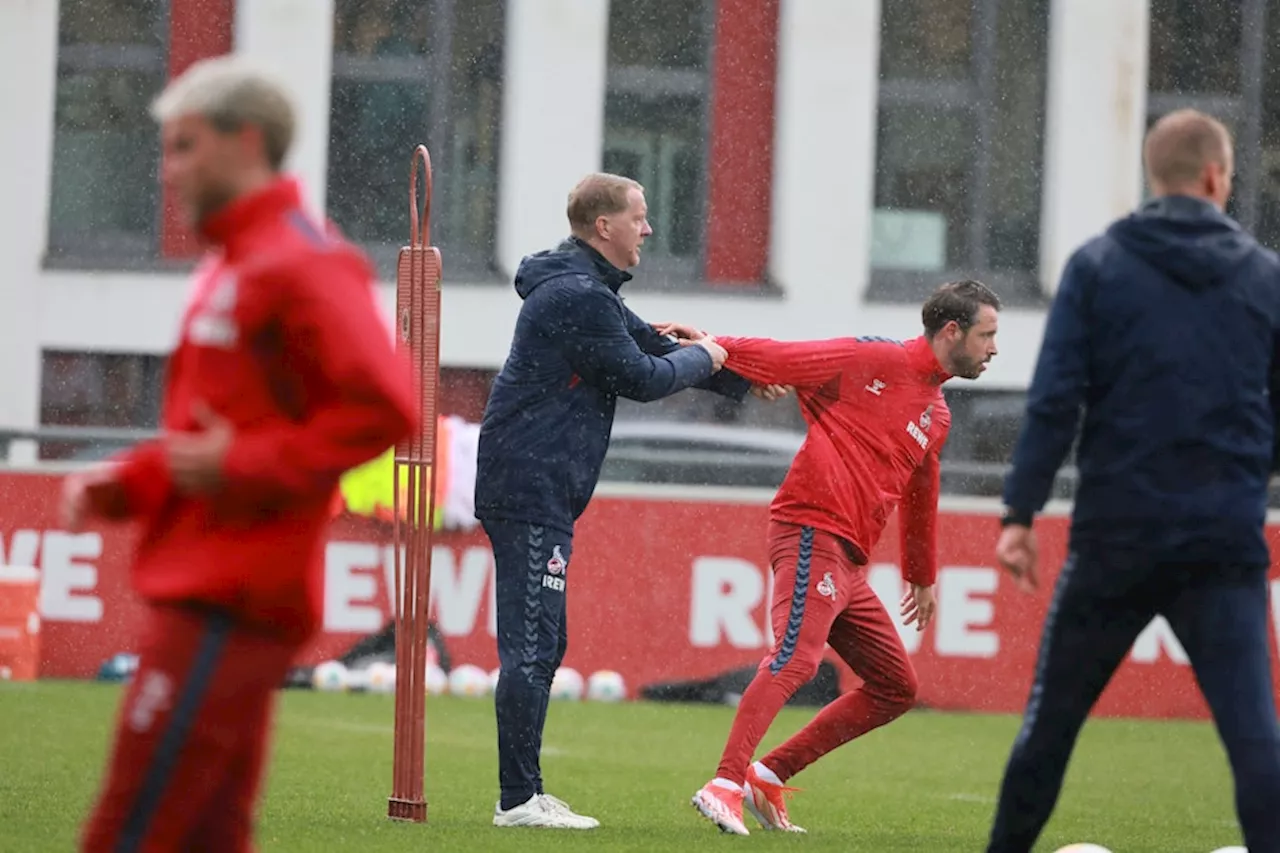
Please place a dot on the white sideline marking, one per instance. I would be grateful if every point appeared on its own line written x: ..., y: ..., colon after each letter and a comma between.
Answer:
x: 376, y: 729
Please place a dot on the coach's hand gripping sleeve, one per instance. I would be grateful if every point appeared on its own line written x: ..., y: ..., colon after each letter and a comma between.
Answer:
x: 800, y: 364
x: 591, y: 333
x: 1056, y: 394
x: 327, y: 310
x: 724, y: 382
x: 918, y: 522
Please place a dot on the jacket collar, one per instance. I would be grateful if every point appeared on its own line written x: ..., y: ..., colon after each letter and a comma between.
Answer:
x: 246, y: 213
x: 612, y: 277
x: 1184, y: 208
x: 922, y: 360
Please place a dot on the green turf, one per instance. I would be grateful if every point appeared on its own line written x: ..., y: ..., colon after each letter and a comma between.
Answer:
x: 924, y: 783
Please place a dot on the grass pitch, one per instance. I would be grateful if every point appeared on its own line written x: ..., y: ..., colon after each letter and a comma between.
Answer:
x: 925, y: 783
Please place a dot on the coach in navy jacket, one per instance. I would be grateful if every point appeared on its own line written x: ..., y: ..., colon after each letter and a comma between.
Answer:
x: 1163, y: 335
x: 577, y: 348
x: 1162, y: 330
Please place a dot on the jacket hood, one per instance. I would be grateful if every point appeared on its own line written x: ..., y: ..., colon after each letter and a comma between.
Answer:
x: 1187, y: 239
x: 571, y: 257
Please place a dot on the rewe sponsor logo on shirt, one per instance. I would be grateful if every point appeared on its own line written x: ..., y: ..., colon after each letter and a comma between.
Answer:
x: 918, y: 434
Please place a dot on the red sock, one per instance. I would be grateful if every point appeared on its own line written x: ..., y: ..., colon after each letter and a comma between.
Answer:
x: 761, y: 702
x: 852, y: 715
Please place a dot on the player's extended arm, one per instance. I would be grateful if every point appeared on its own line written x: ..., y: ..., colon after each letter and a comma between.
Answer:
x: 800, y: 364
x: 1054, y: 399
x: 327, y: 310
x: 588, y: 326
x: 918, y: 522
x: 139, y: 482
x: 724, y: 382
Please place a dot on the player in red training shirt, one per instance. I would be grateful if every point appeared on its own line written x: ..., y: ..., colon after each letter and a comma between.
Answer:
x: 284, y: 376
x: 877, y: 424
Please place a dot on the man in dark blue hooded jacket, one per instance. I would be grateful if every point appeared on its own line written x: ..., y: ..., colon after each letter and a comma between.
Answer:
x: 1164, y: 334
x: 576, y: 349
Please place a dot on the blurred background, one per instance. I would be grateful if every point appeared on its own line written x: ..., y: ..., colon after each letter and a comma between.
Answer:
x: 813, y: 168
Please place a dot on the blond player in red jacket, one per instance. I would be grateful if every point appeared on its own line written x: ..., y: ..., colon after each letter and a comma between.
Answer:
x: 284, y: 377
x: 877, y: 424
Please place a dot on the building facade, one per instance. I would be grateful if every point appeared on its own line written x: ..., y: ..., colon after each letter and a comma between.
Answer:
x: 813, y: 167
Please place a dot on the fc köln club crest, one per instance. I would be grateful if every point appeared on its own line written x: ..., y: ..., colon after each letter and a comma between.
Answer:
x: 556, y: 565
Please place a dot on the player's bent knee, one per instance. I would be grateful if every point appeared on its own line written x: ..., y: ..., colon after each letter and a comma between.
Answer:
x: 897, y: 692
x: 795, y: 672
x: 909, y: 687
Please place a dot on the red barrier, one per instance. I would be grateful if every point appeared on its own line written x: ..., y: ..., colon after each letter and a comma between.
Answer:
x: 660, y: 589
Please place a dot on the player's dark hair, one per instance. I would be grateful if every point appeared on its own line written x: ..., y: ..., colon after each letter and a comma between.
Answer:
x: 959, y: 301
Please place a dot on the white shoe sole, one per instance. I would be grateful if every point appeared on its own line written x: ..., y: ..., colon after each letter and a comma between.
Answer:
x: 709, y: 813
x: 541, y: 822
x: 561, y: 808
x: 542, y: 816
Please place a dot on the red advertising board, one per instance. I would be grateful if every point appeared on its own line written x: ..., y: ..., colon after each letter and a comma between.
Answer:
x: 660, y: 589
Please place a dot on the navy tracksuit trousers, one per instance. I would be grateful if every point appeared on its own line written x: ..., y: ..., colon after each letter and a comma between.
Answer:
x: 530, y: 569
x: 1101, y: 602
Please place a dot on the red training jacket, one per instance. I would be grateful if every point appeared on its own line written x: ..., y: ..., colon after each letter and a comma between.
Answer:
x: 281, y: 336
x: 877, y: 424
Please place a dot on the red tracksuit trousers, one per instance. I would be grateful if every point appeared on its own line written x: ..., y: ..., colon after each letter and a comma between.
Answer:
x: 820, y: 596
x: 192, y: 737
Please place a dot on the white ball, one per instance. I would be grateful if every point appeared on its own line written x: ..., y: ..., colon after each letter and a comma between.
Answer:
x: 606, y: 686
x: 380, y: 677
x: 1083, y: 848
x: 437, y: 681
x: 493, y: 678
x: 1236, y: 849
x: 567, y: 684
x: 468, y: 680
x: 358, y: 680
x: 331, y: 677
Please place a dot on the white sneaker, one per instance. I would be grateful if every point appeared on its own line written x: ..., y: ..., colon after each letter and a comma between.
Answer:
x: 542, y: 811
x: 562, y: 807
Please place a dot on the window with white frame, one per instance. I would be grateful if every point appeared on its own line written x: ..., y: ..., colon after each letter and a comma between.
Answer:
x: 104, y: 194
x: 656, y: 123
x: 410, y: 72
x: 959, y: 148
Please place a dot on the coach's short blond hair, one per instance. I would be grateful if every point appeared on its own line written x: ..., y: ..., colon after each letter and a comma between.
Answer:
x: 230, y: 93
x: 598, y: 194
x: 1181, y: 144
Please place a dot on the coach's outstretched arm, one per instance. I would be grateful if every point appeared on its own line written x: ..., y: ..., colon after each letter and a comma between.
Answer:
x: 1055, y: 397
x: 800, y: 364
x: 325, y: 307
x: 588, y: 325
x: 725, y: 382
